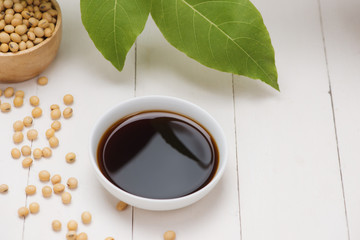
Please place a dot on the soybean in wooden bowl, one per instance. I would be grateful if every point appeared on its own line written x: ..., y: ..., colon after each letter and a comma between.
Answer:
x: 26, y: 64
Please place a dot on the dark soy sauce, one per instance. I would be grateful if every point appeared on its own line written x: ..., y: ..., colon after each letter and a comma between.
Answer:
x: 159, y: 155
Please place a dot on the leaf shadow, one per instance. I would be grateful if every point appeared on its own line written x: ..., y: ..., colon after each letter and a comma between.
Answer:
x: 80, y: 52
x: 176, y: 65
x: 164, y: 59
x: 251, y: 89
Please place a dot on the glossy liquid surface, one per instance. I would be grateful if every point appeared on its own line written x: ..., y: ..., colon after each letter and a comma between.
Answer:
x: 159, y: 155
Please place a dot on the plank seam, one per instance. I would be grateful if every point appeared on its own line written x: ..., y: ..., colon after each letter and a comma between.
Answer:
x: 334, y: 118
x: 28, y: 177
x: 135, y: 85
x: 135, y: 69
x: 236, y: 153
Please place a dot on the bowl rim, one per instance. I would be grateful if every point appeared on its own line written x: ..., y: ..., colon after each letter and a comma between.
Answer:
x: 47, y: 40
x: 158, y: 204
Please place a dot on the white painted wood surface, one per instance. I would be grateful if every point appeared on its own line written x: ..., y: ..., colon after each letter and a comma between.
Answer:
x: 284, y: 179
x: 290, y: 185
x: 341, y: 24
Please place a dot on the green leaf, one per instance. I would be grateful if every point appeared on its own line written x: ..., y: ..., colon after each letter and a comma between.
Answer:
x: 114, y: 25
x: 228, y: 35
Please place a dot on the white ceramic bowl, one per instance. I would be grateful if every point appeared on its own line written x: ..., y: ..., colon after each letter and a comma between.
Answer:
x: 165, y: 103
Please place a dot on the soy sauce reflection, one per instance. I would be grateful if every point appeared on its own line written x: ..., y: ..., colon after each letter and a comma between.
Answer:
x: 159, y: 155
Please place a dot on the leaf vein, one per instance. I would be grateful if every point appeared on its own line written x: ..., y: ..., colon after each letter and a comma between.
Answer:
x: 226, y: 35
x: 210, y: 46
x: 227, y: 53
x: 236, y: 3
x: 115, y: 39
x: 252, y: 39
x: 196, y: 41
x: 99, y: 25
x: 99, y: 9
x: 127, y: 15
x: 178, y: 23
x: 240, y: 22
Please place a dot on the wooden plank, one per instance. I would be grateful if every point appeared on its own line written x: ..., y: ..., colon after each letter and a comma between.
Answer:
x: 290, y: 185
x: 161, y: 69
x: 341, y: 32
x: 96, y: 86
x: 11, y: 171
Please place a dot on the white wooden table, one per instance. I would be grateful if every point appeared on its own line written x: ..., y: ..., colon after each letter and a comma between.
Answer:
x: 294, y: 164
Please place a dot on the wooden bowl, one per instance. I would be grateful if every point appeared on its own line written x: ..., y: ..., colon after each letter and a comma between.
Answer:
x: 27, y: 64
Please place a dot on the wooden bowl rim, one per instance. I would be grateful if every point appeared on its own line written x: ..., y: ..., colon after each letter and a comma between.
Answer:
x: 57, y: 27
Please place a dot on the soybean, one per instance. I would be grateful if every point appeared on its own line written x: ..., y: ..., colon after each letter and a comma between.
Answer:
x: 169, y: 235
x: 72, y: 225
x: 86, y: 217
x: 19, y: 93
x: 30, y: 190
x: 22, y: 46
x: 34, y: 207
x: 38, y: 40
x: 43, y: 23
x: 46, y: 191
x: 53, y: 142
x: 15, y: 37
x: 15, y: 153
x: 59, y: 188
x: 4, y: 38
x: 5, y: 107
x: 21, y: 29
x: 70, y: 157
x: 18, y: 125
x: 23, y: 212
x: 23, y: 17
x: 54, y: 106
x: 8, y: 3
x: 4, y: 47
x: 82, y: 236
x: 32, y: 134
x: 46, y: 152
x: 39, y: 32
x: 49, y: 133
x: 68, y: 99
x: 121, y: 206
x: 14, y: 47
x: 36, y: 112
x: 56, y: 179
x: 18, y: 101
x: 26, y: 150
x: 18, y: 137
x: 44, y: 176
x: 71, y: 235
x: 4, y: 188
x: 27, y: 162
x: 29, y: 44
x: 18, y: 7
x: 28, y: 121
x: 72, y: 183
x: 56, y: 225
x: 42, y: 81
x: 9, y: 29
x: 67, y: 113
x: 37, y: 153
x: 9, y: 92
x: 56, y: 125
x: 34, y: 101
x: 66, y: 198
x: 55, y: 114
